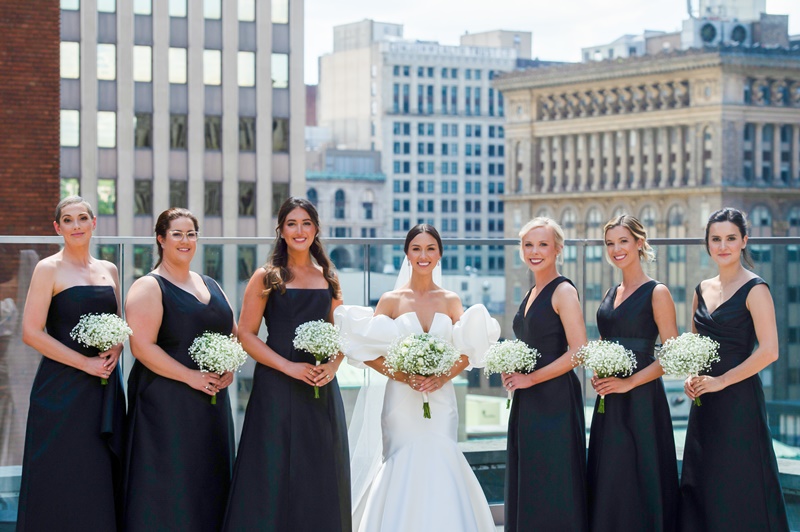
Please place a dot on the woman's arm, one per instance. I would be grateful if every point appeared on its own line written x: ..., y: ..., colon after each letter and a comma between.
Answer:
x: 688, y: 385
x: 253, y: 307
x: 762, y: 309
x: 145, y: 311
x: 112, y: 355
x: 324, y: 373
x: 34, y: 319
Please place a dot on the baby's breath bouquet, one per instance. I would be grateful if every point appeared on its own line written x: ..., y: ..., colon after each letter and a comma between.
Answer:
x: 319, y: 338
x: 606, y: 359
x: 688, y: 355
x: 421, y: 354
x: 101, y: 331
x: 510, y: 356
x: 217, y: 353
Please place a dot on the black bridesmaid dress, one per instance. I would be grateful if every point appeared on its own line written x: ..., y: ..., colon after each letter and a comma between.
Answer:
x: 292, y: 469
x: 730, y: 476
x: 180, y: 446
x: 546, y: 462
x: 71, y: 470
x: 632, y: 461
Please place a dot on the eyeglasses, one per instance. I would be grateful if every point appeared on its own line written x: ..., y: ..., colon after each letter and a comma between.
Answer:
x: 177, y: 236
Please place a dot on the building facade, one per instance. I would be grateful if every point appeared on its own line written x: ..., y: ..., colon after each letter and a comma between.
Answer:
x: 670, y: 139
x: 188, y: 103
x: 433, y: 113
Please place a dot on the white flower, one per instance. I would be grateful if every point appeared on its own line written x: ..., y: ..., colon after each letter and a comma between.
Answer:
x: 421, y: 354
x: 606, y: 359
x: 217, y: 353
x: 101, y: 331
x: 688, y: 354
x: 510, y: 356
x: 319, y: 338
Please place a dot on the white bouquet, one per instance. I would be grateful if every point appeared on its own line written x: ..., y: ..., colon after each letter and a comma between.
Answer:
x: 101, y: 331
x: 606, y: 359
x: 319, y: 338
x: 688, y: 355
x: 510, y: 356
x: 421, y: 354
x: 217, y: 353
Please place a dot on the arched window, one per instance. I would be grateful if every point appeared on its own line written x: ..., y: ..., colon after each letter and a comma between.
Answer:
x: 312, y: 196
x: 648, y: 219
x: 338, y: 205
x: 761, y: 221
x: 675, y: 222
x: 594, y: 223
x: 708, y: 151
x: 794, y: 221
x: 568, y: 219
x: 368, y: 204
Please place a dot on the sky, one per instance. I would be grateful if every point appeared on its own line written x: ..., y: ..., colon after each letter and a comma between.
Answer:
x: 560, y: 27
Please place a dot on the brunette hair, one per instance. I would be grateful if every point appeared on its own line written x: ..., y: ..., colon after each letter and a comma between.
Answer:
x: 278, y: 272
x: 71, y: 200
x: 632, y: 224
x: 163, y: 222
x: 737, y: 218
x: 418, y: 230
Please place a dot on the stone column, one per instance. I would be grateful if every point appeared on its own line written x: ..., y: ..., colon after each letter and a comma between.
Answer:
x: 558, y: 173
x: 572, y: 172
x: 680, y: 155
x: 584, y: 184
x: 598, y: 161
x: 547, y: 173
x: 611, y: 166
x: 758, y: 176
x: 794, y: 167
x: 624, y: 166
x: 776, y: 153
x: 650, y: 151
x: 664, y: 148
x: 636, y: 168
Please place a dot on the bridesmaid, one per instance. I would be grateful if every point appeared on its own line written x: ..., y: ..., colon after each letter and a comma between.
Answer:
x: 730, y: 476
x: 546, y: 463
x: 180, y: 446
x: 71, y: 470
x: 293, y: 469
x: 632, y: 460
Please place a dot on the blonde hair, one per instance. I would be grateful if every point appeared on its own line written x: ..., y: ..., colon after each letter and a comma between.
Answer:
x: 543, y: 221
x: 635, y: 227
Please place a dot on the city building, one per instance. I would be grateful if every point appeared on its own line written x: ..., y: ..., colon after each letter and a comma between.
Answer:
x: 432, y: 112
x: 188, y: 103
x: 669, y: 138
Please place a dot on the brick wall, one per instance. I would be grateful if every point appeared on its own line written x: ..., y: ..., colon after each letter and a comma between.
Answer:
x: 29, y: 116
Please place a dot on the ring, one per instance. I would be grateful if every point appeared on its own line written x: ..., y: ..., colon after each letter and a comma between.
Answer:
x: 328, y: 377
x: 206, y: 387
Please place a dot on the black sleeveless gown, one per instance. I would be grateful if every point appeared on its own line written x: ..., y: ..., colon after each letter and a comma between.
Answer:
x: 730, y: 476
x: 632, y: 459
x: 546, y: 461
x: 71, y: 469
x: 180, y: 446
x: 292, y: 469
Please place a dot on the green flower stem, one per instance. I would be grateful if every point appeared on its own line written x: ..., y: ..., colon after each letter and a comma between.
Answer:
x: 508, y: 400
x: 213, y: 399
x: 426, y: 407
x: 601, y: 408
x: 103, y: 381
x: 316, y: 388
x: 697, y: 401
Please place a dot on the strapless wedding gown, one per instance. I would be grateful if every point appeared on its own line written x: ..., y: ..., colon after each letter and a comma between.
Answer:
x: 423, y: 482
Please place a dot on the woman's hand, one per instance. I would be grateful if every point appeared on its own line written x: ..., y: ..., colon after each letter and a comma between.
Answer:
x: 96, y: 366
x: 688, y: 388
x: 111, y: 357
x: 705, y: 384
x: 427, y: 384
x: 208, y: 383
x: 517, y: 381
x: 611, y: 385
x: 324, y: 373
x: 225, y: 380
x: 302, y: 371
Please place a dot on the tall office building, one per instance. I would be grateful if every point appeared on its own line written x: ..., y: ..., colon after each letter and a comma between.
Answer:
x: 189, y: 103
x: 433, y: 113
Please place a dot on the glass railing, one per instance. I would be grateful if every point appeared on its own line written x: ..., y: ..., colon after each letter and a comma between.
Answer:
x: 486, y: 271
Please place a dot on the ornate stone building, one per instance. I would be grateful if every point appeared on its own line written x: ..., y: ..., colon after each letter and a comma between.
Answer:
x: 668, y: 138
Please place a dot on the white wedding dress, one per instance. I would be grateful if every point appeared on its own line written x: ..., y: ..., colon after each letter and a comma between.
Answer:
x: 423, y: 482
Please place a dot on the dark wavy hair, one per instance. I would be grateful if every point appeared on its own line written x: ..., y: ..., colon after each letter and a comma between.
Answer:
x: 737, y: 218
x: 278, y: 272
x: 162, y: 226
x: 418, y: 230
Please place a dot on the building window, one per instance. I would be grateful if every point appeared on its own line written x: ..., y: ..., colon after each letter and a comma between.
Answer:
x: 212, y: 9
x: 280, y: 11
x: 70, y: 60
x: 312, y: 196
x: 143, y: 63
x: 106, y: 6
x: 107, y: 61
x: 247, y: 69
x: 280, y: 71
x: 143, y: 130
x: 338, y: 207
x: 245, y: 261
x: 142, y: 197
x: 71, y: 5
x: 177, y: 65
x: 280, y: 193
x: 280, y: 135
x: 177, y: 132
x: 212, y: 67
x: 142, y: 7
x: 142, y: 260
x: 70, y: 128
x: 213, y: 133
x: 106, y: 196
x: 212, y: 261
x: 70, y: 186
x: 106, y: 129
x: 177, y: 8
x: 213, y: 198
x: 247, y: 133
x: 178, y: 194
x: 247, y: 198
x: 367, y: 206
x: 247, y: 10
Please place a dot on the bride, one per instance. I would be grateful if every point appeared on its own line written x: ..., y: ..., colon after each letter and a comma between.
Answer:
x: 423, y: 481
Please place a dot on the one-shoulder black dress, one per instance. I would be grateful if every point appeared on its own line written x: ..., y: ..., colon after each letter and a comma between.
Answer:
x: 632, y: 461
x: 71, y: 470
x: 546, y: 461
x: 293, y: 469
x: 180, y: 446
x: 729, y: 479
